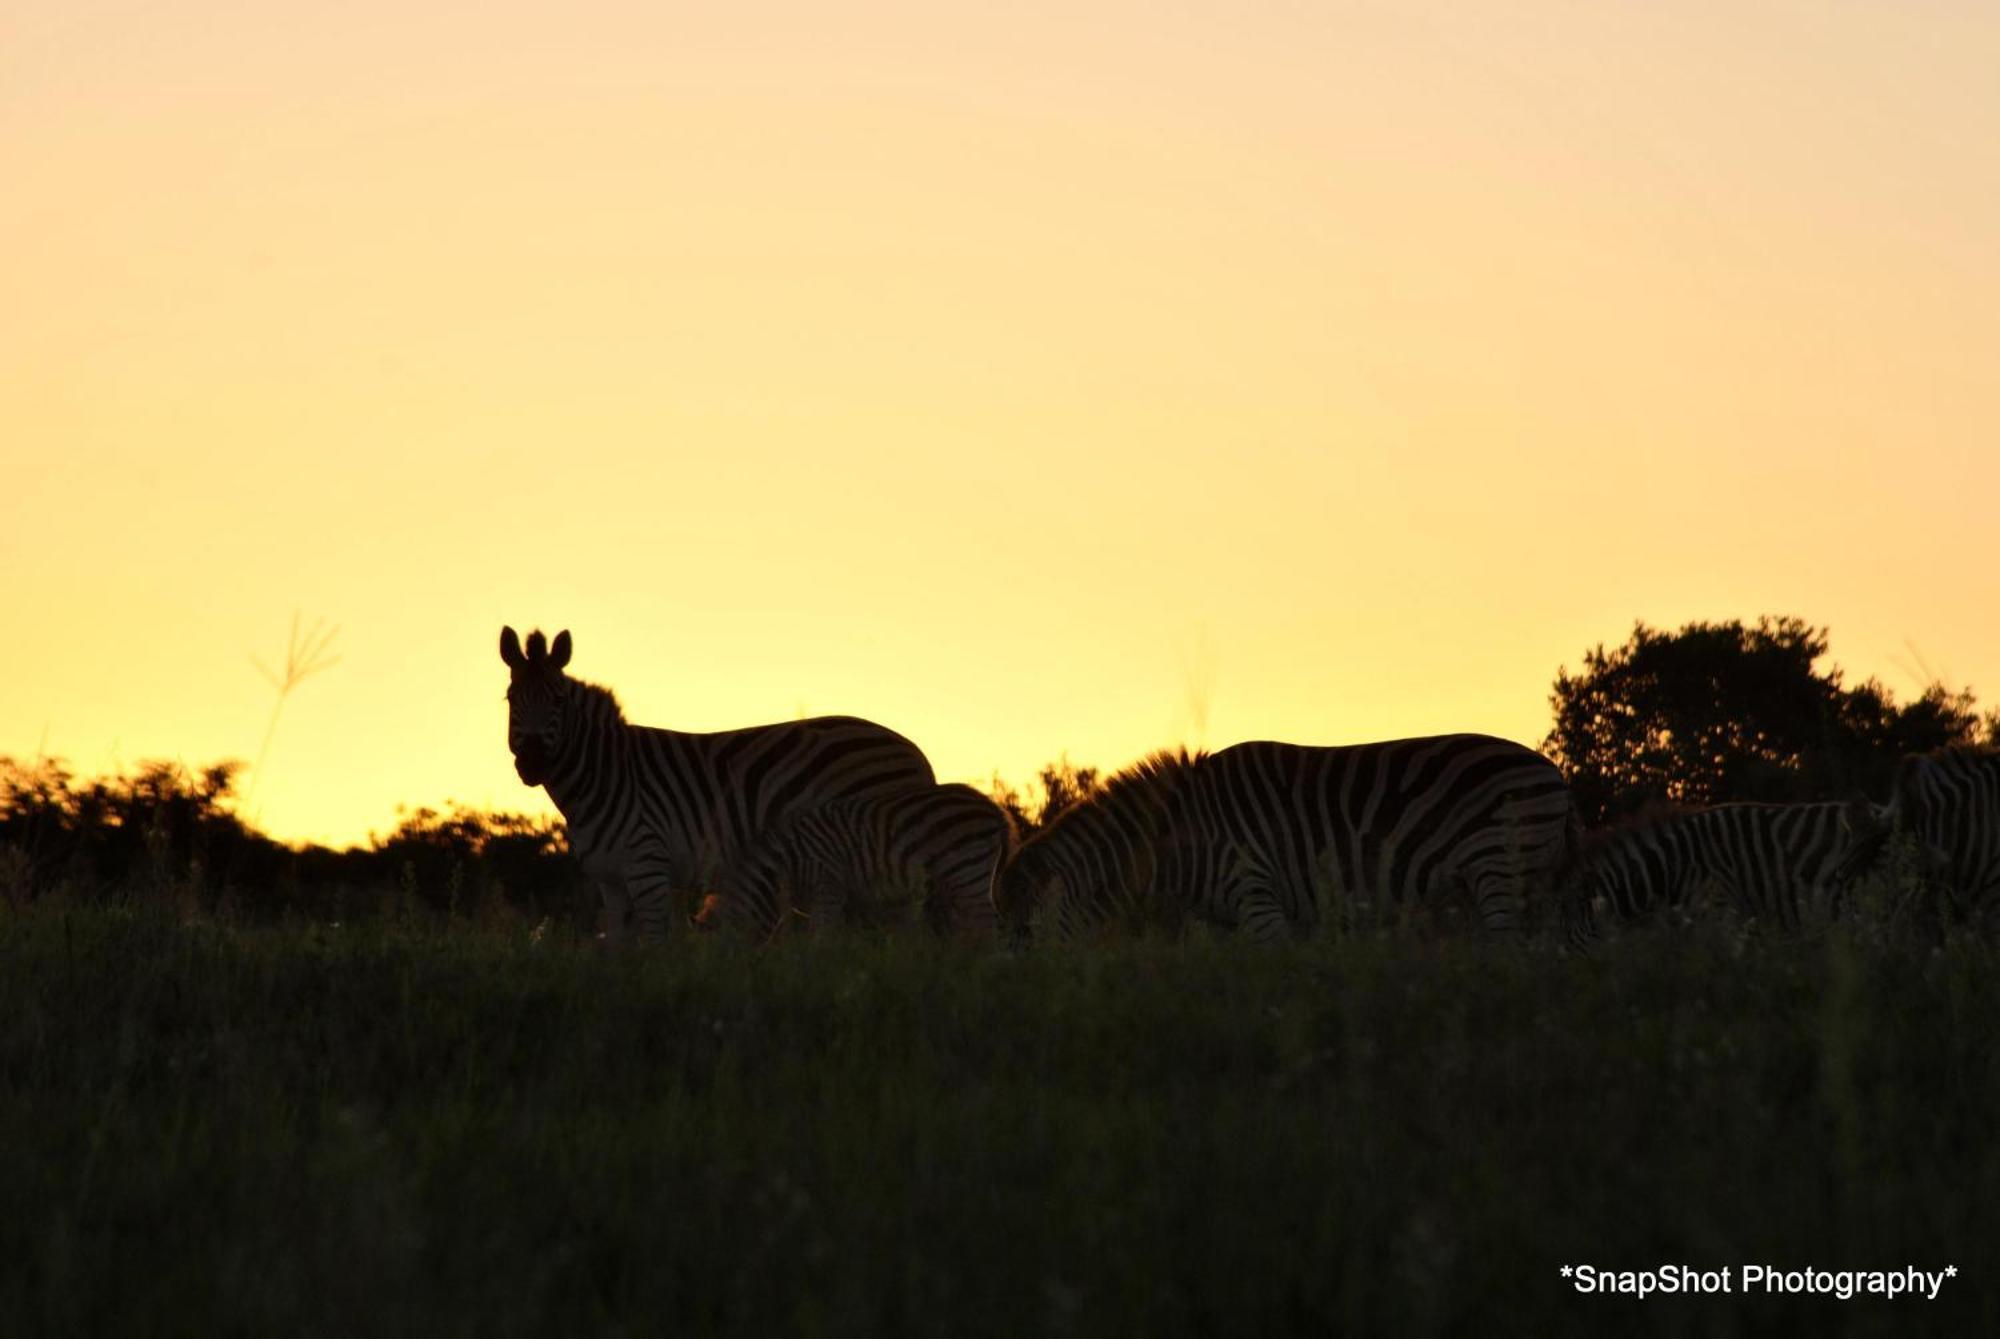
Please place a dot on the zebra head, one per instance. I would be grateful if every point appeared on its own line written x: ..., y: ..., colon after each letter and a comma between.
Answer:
x: 1080, y: 871
x: 1865, y: 830
x: 1626, y: 872
x: 538, y: 694
x: 1099, y: 857
x: 1023, y: 880
x: 1933, y: 800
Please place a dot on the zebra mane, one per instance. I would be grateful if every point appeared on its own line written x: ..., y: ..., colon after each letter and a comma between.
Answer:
x: 1164, y: 767
x: 1150, y: 782
x: 596, y: 695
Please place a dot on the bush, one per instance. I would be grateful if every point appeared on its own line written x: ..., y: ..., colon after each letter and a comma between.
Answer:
x: 163, y: 832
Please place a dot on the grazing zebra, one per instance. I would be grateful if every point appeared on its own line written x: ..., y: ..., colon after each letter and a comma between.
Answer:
x: 1257, y: 835
x: 1098, y: 859
x: 942, y: 847
x: 1774, y: 863
x: 1401, y: 824
x: 655, y: 812
x: 1949, y: 802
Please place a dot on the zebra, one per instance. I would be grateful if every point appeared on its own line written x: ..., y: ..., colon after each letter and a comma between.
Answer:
x: 1397, y: 825
x: 1948, y: 801
x: 652, y: 813
x: 1775, y: 863
x: 942, y: 846
x: 1257, y: 835
x: 1099, y: 857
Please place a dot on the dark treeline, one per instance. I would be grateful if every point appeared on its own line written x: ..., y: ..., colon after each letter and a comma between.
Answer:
x: 1724, y: 712
x: 1713, y: 712
x: 166, y: 833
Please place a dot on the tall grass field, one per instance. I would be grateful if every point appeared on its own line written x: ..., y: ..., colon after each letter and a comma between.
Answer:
x: 213, y: 1129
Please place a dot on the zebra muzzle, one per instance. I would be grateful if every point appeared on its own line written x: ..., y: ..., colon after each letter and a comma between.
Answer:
x: 530, y: 767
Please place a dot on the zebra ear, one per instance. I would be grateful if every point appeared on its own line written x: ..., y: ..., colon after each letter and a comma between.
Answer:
x: 559, y: 653
x: 510, y: 649
x: 538, y: 646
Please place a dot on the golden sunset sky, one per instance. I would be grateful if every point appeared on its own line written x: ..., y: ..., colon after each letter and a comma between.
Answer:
x: 1028, y: 377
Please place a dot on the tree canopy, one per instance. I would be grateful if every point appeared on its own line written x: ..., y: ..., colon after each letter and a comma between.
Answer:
x: 1728, y: 711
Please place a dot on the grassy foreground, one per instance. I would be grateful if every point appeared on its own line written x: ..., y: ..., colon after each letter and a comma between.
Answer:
x: 212, y: 1130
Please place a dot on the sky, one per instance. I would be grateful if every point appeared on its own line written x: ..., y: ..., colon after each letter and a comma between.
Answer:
x: 1032, y: 378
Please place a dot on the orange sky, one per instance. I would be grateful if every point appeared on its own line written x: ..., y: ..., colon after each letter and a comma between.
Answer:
x: 1033, y: 378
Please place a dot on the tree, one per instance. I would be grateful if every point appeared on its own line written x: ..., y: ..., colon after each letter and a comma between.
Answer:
x: 1725, y: 711
x: 1062, y: 784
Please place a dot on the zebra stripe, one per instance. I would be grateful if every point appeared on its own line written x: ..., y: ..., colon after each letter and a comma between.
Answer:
x: 1259, y: 836
x: 655, y: 813
x: 1402, y: 824
x: 1098, y: 859
x: 1774, y: 862
x: 1949, y: 802
x: 941, y: 847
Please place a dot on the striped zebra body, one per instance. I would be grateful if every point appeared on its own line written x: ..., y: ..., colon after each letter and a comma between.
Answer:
x: 1949, y: 803
x: 1297, y: 832
x: 656, y: 814
x: 1266, y: 837
x: 1774, y: 863
x: 941, y: 847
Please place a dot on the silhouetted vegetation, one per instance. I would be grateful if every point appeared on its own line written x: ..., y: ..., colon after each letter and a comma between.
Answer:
x: 1061, y: 784
x: 211, y: 1129
x: 165, y: 834
x: 1726, y: 711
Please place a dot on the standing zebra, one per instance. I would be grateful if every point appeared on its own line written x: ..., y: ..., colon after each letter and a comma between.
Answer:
x: 1773, y: 862
x: 1258, y: 835
x: 941, y: 846
x: 1948, y: 801
x: 655, y: 812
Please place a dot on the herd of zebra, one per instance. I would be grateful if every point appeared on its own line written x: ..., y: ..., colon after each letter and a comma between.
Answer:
x: 810, y: 821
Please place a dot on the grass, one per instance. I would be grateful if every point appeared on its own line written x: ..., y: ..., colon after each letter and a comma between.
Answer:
x: 371, y: 1130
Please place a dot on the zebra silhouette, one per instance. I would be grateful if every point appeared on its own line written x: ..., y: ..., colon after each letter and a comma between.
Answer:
x: 1775, y: 863
x: 655, y: 815
x: 1948, y: 803
x: 861, y: 858
x: 1268, y: 837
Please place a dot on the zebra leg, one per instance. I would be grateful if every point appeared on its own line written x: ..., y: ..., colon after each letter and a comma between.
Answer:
x: 1499, y: 899
x: 1534, y: 854
x: 1577, y: 908
x: 617, y: 907
x: 1246, y: 903
x: 652, y: 896
x: 1260, y: 916
x: 824, y: 907
x: 965, y: 895
x: 971, y: 908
